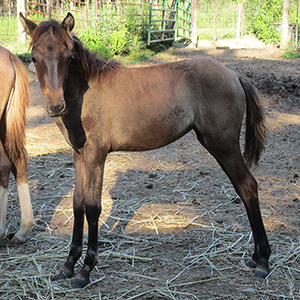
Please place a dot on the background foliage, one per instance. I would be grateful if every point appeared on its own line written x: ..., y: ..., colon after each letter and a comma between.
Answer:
x: 264, y: 19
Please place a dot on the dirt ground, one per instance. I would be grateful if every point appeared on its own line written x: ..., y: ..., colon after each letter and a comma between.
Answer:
x: 172, y: 226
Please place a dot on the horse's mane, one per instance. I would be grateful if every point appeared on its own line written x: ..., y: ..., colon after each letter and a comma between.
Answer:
x: 86, y: 62
x: 89, y: 64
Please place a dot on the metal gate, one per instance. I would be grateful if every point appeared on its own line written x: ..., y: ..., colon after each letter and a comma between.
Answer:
x: 161, y: 23
x: 184, y: 19
x: 167, y: 24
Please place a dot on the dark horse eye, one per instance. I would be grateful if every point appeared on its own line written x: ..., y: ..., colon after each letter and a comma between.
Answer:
x: 33, y: 59
x: 70, y: 58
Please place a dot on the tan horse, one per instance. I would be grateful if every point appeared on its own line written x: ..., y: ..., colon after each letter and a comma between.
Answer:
x: 102, y: 107
x: 13, y: 155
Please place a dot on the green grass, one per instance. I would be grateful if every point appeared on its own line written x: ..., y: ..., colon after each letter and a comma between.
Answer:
x: 291, y: 53
x: 8, y: 31
x: 137, y: 56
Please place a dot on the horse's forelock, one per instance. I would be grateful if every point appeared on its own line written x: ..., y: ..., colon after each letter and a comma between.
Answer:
x: 57, y: 32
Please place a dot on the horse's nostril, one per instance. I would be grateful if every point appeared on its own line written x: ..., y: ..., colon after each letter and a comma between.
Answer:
x: 54, y: 108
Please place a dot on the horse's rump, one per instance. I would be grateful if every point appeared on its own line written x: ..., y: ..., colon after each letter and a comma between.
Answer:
x: 13, y: 107
x: 13, y: 103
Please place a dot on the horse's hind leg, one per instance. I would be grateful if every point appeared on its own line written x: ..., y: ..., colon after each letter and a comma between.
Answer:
x: 5, y: 168
x: 27, y: 220
x: 228, y: 155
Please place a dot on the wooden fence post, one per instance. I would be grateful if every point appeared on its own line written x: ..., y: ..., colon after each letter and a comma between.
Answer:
x: 297, y: 13
x: 285, y: 37
x: 239, y: 21
x: 49, y: 9
x: 21, y: 7
x: 194, y: 23
x: 215, y: 21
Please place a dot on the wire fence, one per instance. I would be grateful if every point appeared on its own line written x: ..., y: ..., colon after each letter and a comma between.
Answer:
x: 215, y: 19
x: 105, y: 16
x: 8, y: 23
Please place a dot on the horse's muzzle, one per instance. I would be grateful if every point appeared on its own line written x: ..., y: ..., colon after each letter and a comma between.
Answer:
x: 55, y: 106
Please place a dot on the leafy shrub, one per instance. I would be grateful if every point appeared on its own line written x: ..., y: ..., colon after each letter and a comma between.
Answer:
x: 263, y: 18
x: 115, y: 43
x: 264, y: 28
x: 96, y: 43
x: 119, y: 41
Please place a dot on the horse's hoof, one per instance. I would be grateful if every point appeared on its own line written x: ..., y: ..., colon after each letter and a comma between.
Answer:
x: 259, y: 273
x: 64, y: 275
x: 80, y: 283
x: 2, y: 233
x: 15, y: 240
x: 251, y: 264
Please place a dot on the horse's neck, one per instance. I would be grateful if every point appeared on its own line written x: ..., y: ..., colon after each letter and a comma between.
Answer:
x: 76, y: 81
x: 71, y: 123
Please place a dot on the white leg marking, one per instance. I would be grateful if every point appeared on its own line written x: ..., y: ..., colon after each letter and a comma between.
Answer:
x: 3, y: 208
x: 27, y: 220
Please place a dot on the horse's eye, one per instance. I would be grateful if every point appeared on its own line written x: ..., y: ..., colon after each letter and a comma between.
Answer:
x: 33, y: 59
x: 70, y: 58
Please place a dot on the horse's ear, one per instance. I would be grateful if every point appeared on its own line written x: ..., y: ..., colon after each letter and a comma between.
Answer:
x: 28, y: 25
x: 68, y: 23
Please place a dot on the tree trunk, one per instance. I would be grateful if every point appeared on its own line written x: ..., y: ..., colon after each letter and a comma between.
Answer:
x: 171, y: 25
x: 285, y: 24
x: 21, y: 7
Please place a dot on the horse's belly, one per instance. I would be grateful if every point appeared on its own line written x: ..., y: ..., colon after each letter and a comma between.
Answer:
x: 149, y: 136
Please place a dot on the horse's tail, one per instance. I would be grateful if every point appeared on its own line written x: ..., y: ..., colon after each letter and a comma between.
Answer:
x: 16, y: 113
x: 256, y: 131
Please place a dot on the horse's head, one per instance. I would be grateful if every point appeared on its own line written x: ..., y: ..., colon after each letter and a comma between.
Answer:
x: 51, y: 54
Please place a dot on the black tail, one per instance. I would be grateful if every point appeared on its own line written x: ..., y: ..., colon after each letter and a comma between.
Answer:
x: 256, y: 131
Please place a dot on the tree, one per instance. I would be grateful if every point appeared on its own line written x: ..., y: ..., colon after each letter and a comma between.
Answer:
x: 21, y: 7
x: 285, y: 24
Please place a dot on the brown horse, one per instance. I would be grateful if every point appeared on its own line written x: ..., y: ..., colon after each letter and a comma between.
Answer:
x: 102, y: 106
x: 13, y: 155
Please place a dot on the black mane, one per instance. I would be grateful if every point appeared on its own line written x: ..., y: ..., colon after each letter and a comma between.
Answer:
x: 88, y: 63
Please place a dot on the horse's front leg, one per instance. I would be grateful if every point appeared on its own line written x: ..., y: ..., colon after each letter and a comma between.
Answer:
x: 78, y: 209
x: 94, y: 161
x: 27, y: 220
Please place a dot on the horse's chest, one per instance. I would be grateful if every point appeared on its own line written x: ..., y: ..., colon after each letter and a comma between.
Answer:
x: 74, y: 132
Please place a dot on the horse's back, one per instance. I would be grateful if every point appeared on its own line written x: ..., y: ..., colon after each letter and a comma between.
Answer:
x: 210, y: 77
x: 149, y: 107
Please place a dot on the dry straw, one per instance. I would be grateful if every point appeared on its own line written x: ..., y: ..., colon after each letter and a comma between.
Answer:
x: 208, y: 259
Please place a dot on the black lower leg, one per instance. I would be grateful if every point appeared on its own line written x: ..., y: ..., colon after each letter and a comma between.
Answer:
x: 246, y: 187
x: 83, y: 277
x: 76, y: 246
x: 262, y: 251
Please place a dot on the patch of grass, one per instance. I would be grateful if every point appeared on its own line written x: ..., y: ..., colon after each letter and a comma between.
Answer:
x: 205, y: 36
x: 291, y: 53
x: 8, y: 31
x: 137, y: 56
